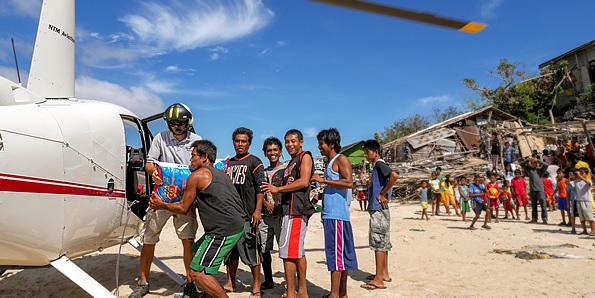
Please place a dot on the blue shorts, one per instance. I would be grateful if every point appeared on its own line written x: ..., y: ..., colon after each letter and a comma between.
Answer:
x: 339, y: 245
x: 562, y: 204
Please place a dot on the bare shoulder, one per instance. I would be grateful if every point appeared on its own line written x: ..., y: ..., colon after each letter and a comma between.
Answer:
x: 343, y: 159
x: 307, y: 157
x: 201, y: 173
x: 201, y: 178
x: 344, y: 165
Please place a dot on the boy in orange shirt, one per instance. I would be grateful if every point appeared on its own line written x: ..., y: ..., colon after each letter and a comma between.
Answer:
x: 563, y: 203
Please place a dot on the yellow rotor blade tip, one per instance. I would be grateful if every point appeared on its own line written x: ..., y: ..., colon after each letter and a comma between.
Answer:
x: 473, y: 27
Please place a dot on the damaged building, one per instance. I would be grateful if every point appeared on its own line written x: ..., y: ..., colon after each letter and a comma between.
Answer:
x: 460, y: 145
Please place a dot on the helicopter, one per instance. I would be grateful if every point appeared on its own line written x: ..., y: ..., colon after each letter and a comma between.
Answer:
x: 71, y: 170
x: 72, y: 178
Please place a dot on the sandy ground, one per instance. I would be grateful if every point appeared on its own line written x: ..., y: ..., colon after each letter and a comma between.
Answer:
x: 436, y: 258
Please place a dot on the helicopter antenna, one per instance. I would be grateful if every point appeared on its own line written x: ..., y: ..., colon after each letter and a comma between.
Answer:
x: 15, y: 60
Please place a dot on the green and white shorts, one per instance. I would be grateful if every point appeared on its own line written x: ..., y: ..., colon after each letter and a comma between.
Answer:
x: 211, y: 251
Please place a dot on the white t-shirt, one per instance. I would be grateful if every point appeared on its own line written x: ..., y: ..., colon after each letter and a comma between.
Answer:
x: 583, y: 191
x: 166, y: 148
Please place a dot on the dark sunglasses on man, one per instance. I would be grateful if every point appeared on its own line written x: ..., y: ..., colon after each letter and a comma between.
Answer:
x: 177, y: 123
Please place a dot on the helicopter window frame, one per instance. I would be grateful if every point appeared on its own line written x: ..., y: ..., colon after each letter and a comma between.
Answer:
x: 135, y: 143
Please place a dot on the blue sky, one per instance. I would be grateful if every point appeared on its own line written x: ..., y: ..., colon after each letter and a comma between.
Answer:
x: 273, y: 65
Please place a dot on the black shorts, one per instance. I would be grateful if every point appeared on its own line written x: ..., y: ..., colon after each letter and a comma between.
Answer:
x: 478, y: 207
x: 248, y: 248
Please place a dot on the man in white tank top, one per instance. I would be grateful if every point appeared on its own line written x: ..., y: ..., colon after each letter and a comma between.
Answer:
x: 338, y: 235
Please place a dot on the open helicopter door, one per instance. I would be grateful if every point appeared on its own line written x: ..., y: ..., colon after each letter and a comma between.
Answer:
x: 138, y: 141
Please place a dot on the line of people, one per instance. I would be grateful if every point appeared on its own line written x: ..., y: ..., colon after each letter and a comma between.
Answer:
x: 243, y: 209
x: 571, y: 195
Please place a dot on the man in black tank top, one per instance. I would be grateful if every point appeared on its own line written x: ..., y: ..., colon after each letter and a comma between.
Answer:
x: 246, y: 173
x: 221, y: 213
x: 295, y: 203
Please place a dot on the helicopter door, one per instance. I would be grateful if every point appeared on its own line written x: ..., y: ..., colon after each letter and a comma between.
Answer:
x: 152, y: 124
x: 137, y: 188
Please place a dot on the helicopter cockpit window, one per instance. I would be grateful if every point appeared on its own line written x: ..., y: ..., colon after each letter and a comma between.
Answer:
x: 136, y: 182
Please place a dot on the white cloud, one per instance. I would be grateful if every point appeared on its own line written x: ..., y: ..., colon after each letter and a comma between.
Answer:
x: 27, y: 8
x: 219, y: 49
x: 431, y: 100
x: 120, y: 36
x: 176, y: 87
x: 137, y: 99
x: 160, y: 27
x: 183, y: 26
x: 11, y: 74
x: 177, y: 69
x: 214, y: 56
x: 161, y: 86
x: 265, y: 52
x: 98, y: 53
x: 310, y: 132
x: 281, y: 43
x: 23, y: 48
x: 488, y: 8
x: 172, y: 68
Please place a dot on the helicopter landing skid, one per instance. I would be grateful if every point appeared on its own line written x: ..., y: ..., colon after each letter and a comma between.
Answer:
x: 159, y: 263
x: 80, y: 277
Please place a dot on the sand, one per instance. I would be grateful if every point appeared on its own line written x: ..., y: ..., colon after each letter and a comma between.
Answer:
x: 435, y: 258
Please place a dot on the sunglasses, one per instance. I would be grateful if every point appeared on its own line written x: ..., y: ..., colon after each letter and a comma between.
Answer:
x: 177, y: 123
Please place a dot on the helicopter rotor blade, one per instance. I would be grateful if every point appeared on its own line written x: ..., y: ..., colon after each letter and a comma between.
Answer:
x: 422, y: 17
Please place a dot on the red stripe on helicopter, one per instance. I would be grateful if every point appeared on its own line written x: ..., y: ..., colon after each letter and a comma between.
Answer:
x: 15, y: 183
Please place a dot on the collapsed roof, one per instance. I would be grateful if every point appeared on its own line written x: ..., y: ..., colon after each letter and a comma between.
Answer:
x: 459, y: 145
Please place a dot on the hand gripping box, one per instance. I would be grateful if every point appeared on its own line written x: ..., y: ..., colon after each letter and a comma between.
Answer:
x: 174, y: 177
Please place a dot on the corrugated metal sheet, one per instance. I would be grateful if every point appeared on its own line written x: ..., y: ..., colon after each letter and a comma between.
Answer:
x: 527, y: 143
x: 470, y: 137
x: 430, y: 137
x: 446, y: 145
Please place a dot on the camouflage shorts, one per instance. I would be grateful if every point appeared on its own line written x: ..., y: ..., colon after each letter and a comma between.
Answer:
x: 380, y: 230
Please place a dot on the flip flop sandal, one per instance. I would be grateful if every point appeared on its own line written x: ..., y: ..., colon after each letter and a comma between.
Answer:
x: 370, y: 286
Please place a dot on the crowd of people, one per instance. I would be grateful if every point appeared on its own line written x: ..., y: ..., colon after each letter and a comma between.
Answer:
x: 557, y: 180
x: 247, y: 208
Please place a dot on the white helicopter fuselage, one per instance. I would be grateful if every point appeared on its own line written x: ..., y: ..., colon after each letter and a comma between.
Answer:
x: 72, y: 177
x: 62, y: 180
